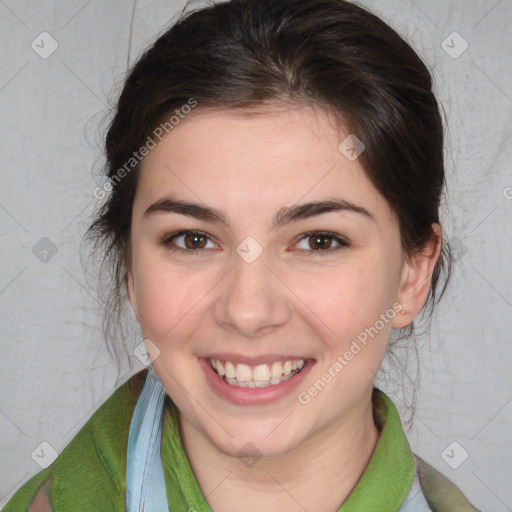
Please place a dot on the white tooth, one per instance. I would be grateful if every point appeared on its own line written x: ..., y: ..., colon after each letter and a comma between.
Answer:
x: 230, y: 370
x: 248, y: 384
x: 243, y: 373
x: 276, y: 370
x: 257, y: 384
x: 262, y: 383
x: 220, y: 368
x: 261, y: 372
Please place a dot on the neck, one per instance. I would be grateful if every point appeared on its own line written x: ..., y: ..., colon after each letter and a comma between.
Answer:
x: 319, y: 474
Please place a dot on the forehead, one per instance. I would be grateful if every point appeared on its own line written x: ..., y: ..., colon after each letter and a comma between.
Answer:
x: 266, y: 159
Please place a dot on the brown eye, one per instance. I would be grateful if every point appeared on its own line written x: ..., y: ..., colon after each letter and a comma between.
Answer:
x: 319, y: 243
x: 187, y: 241
x: 194, y: 241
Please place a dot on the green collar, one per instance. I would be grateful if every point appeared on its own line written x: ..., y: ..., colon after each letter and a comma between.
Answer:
x: 383, y: 485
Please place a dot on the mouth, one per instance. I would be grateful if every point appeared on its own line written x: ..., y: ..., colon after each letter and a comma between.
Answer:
x: 260, y: 376
x: 251, y: 381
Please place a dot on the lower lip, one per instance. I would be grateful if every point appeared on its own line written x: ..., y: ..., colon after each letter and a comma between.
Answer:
x: 253, y: 396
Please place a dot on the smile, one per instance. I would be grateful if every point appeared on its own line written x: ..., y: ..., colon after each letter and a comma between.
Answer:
x: 260, y: 376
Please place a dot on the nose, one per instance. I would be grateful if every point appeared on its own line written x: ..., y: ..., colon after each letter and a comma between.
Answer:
x: 252, y: 301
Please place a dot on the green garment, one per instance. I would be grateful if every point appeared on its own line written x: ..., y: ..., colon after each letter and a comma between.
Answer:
x: 89, y: 473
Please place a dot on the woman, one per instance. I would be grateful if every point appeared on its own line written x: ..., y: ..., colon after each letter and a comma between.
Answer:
x: 276, y: 169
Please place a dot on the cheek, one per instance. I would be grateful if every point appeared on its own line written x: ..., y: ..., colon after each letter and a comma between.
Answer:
x: 342, y: 302
x: 169, y: 303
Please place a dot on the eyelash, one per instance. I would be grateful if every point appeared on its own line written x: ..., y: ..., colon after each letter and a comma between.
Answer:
x: 343, y: 242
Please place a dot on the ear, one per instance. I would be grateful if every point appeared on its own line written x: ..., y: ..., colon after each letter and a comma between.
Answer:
x: 130, y: 290
x: 416, y: 279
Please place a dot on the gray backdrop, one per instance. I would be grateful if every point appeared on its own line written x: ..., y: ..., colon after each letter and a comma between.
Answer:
x: 60, y: 63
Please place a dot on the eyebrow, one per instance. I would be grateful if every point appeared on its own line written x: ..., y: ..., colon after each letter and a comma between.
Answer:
x: 284, y: 216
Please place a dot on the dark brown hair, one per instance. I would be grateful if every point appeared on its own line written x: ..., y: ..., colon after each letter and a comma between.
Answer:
x: 250, y: 53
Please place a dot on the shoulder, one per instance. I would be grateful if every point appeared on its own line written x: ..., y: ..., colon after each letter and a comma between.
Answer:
x: 90, y: 470
x: 441, y: 494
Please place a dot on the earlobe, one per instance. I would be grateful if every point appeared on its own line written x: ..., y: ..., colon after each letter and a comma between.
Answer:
x: 416, y: 278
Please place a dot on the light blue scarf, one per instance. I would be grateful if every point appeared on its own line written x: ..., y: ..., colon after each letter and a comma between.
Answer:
x: 145, y: 485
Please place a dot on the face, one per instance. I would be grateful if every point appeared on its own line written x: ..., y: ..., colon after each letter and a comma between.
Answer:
x: 253, y: 278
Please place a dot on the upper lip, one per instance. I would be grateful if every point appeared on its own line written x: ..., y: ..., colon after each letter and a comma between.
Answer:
x: 254, y: 361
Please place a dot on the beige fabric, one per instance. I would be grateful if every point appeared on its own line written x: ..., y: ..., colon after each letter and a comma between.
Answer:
x: 41, y: 501
x: 442, y: 494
